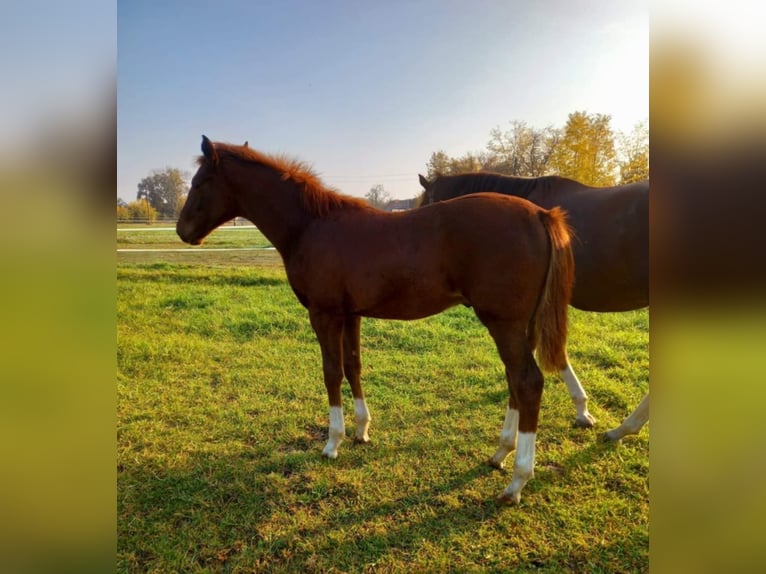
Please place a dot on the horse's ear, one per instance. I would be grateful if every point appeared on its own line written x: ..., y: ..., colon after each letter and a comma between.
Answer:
x: 245, y: 144
x: 208, y: 150
x: 424, y: 182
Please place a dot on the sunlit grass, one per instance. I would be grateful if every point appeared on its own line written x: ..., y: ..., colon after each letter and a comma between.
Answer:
x: 165, y: 237
x: 222, y: 416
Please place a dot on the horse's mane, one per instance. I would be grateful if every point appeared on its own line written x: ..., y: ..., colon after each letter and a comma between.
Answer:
x: 475, y: 182
x: 317, y: 197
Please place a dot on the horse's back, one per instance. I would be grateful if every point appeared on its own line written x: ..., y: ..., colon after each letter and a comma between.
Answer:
x: 611, y: 246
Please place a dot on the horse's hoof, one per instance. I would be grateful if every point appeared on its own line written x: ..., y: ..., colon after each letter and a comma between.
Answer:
x: 331, y: 454
x: 494, y: 464
x: 585, y: 422
x: 608, y: 438
x: 365, y: 440
x: 509, y: 499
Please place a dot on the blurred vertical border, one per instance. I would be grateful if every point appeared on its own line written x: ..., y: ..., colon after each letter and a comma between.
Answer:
x: 57, y: 287
x: 708, y: 245
x: 708, y: 309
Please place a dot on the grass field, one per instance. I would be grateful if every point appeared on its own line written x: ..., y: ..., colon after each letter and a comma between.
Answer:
x: 142, y: 244
x: 222, y: 416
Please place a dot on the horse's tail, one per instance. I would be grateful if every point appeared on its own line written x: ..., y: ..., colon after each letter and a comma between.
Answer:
x: 548, y: 330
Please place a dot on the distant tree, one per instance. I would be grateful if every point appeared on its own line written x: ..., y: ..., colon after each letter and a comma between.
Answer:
x: 442, y: 164
x: 377, y: 196
x: 140, y: 210
x: 633, y: 152
x: 470, y: 161
x: 438, y: 164
x: 583, y: 150
x: 522, y: 150
x: 123, y: 212
x: 163, y: 190
x: 143, y: 211
x: 586, y: 151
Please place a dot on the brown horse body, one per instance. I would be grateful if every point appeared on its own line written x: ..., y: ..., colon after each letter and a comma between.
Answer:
x: 507, y: 258
x: 611, y: 227
x: 611, y: 245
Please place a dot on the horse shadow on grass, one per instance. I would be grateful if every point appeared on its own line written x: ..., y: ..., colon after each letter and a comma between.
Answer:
x: 214, y: 509
x: 196, y: 514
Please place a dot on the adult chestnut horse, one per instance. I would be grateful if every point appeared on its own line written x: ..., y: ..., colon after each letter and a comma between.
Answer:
x: 506, y: 257
x: 611, y: 250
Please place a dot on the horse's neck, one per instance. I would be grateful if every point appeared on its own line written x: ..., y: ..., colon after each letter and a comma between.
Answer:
x: 275, y: 207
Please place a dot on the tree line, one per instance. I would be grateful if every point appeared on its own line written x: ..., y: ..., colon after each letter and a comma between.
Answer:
x: 585, y: 149
x: 161, y: 195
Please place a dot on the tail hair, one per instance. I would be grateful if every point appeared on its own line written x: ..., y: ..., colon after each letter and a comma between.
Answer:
x: 548, y: 332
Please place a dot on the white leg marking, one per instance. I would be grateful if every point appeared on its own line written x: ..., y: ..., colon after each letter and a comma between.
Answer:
x: 579, y: 398
x: 523, y: 467
x: 336, y: 433
x: 362, y: 420
x: 633, y: 423
x: 507, y: 438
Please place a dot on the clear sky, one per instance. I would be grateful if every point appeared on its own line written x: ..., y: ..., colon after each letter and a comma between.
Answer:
x: 365, y: 91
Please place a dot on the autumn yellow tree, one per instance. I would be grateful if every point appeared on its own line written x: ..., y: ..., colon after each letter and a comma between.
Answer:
x: 586, y: 151
x: 138, y: 211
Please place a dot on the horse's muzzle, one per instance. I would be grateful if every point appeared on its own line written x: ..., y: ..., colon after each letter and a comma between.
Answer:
x: 186, y: 235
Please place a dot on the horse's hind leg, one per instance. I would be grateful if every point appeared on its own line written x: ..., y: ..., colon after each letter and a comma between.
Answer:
x: 352, y: 366
x: 329, y: 332
x: 525, y: 387
x: 579, y: 397
x: 632, y: 424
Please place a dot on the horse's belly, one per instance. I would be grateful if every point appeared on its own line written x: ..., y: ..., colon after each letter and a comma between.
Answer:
x: 408, y: 306
x: 608, y: 297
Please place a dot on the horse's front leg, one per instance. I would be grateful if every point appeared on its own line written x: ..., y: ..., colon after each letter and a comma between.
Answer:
x: 329, y: 331
x: 352, y: 367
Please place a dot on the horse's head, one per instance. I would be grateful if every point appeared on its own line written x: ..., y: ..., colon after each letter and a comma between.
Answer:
x: 427, y: 196
x: 210, y: 201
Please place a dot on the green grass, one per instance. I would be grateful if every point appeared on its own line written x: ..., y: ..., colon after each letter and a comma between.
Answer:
x: 222, y: 416
x: 165, y: 237
x: 161, y: 238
